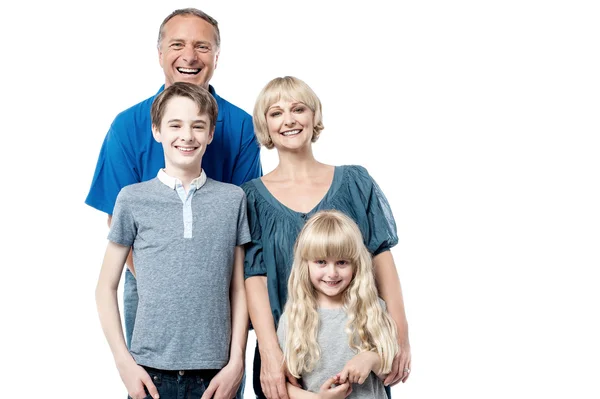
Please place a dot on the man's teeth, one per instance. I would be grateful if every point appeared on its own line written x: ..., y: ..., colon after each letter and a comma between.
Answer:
x: 291, y: 132
x: 189, y: 70
x: 187, y: 149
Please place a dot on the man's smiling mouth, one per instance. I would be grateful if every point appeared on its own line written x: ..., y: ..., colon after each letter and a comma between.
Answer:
x: 189, y: 71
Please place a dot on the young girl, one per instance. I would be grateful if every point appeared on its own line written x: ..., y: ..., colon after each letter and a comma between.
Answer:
x: 334, y: 323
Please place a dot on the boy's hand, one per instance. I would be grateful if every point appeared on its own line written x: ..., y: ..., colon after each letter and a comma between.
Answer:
x: 341, y: 391
x: 225, y: 384
x: 359, y: 367
x: 135, y: 378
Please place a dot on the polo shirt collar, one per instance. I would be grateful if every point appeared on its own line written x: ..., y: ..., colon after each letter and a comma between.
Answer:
x: 172, y: 182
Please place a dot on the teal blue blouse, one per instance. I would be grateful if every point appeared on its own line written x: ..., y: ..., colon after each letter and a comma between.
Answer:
x: 274, y: 227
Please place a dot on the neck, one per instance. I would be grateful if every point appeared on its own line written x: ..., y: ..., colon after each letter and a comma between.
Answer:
x: 185, y: 175
x: 296, y: 165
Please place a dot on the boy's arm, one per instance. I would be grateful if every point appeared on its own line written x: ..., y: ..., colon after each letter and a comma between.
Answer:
x: 226, y: 383
x: 388, y: 285
x: 134, y: 377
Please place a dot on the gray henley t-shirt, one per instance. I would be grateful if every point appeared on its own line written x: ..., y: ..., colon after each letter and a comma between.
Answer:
x: 183, y: 254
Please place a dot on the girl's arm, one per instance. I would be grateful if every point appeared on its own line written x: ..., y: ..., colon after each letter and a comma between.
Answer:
x: 325, y: 392
x: 272, y: 375
x: 360, y: 366
x: 227, y: 381
x: 388, y: 284
x: 134, y: 377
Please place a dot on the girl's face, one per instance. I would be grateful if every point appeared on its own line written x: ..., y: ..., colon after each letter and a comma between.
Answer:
x: 290, y: 124
x: 330, y: 277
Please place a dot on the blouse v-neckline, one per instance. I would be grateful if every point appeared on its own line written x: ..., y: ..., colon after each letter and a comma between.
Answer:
x: 335, y: 184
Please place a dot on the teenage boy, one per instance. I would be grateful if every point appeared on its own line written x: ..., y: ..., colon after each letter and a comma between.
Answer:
x: 187, y: 232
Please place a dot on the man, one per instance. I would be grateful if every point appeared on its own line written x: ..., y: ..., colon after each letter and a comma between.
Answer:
x: 188, y: 51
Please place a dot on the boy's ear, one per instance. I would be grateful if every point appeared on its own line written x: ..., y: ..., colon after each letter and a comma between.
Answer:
x: 211, y: 135
x: 156, y: 133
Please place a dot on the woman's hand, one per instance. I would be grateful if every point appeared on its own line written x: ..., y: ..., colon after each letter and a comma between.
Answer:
x: 273, y: 375
x: 401, y: 365
x: 359, y: 367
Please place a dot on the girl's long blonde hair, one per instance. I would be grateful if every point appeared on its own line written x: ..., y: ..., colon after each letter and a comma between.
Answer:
x: 331, y: 234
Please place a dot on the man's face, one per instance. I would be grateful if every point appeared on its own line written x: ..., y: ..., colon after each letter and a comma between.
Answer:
x: 187, y: 52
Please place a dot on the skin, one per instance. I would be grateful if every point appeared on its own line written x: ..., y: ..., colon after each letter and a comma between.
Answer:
x: 300, y: 182
x: 188, y: 42
x: 330, y: 277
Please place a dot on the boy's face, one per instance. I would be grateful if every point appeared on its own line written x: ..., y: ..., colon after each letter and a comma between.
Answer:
x: 184, y: 134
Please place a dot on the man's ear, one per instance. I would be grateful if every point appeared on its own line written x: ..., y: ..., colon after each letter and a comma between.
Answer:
x: 156, y: 133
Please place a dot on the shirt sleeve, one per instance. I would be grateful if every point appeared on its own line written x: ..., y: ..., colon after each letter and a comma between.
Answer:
x: 123, y: 229
x: 115, y: 169
x: 381, y: 233
x: 247, y: 165
x: 281, y: 331
x: 243, y: 232
x: 253, y: 262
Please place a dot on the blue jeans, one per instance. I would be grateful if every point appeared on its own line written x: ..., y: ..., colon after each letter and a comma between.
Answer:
x: 184, y: 384
x: 130, y: 305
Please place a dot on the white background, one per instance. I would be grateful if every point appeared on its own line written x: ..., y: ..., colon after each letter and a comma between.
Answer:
x: 478, y: 119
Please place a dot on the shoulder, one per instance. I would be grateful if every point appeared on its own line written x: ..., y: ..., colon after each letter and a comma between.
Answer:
x: 231, y: 109
x: 250, y: 186
x: 134, y: 115
x: 357, y: 174
x: 225, y: 189
x: 137, y: 190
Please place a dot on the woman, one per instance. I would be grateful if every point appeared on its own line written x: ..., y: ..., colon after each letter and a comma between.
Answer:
x: 287, y: 117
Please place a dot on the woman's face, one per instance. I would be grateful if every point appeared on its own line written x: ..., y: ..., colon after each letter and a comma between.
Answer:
x: 290, y: 124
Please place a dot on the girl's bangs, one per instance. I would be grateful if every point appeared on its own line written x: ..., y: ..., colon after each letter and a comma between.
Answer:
x: 329, y: 242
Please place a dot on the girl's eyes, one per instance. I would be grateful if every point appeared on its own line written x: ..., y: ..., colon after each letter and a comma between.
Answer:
x: 323, y: 262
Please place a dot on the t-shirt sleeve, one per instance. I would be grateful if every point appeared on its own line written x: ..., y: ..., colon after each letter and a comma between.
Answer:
x: 381, y: 234
x: 247, y: 165
x: 243, y: 232
x: 253, y: 261
x: 281, y: 331
x: 123, y: 229
x: 115, y: 169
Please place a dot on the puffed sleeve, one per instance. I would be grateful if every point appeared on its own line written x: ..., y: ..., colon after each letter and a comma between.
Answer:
x: 253, y: 262
x: 379, y: 226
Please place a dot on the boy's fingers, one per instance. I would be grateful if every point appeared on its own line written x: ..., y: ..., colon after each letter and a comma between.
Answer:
x: 210, y: 391
x: 147, y: 380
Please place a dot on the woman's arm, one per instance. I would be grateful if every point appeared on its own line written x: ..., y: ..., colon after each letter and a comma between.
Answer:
x: 388, y: 284
x: 272, y: 374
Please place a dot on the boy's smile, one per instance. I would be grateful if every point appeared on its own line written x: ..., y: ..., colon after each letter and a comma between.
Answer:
x: 184, y: 134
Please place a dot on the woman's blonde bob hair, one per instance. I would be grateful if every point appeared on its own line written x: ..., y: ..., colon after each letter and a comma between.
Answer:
x: 286, y: 88
x: 331, y: 234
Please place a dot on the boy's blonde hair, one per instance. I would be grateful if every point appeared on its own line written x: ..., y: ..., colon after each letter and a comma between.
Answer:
x: 287, y: 88
x: 331, y: 234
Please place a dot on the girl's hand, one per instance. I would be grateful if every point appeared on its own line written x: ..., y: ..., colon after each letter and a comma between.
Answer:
x: 273, y: 376
x: 359, y: 367
x: 340, y: 391
x: 135, y: 379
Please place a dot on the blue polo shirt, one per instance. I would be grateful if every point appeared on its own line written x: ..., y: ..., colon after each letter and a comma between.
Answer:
x: 130, y: 154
